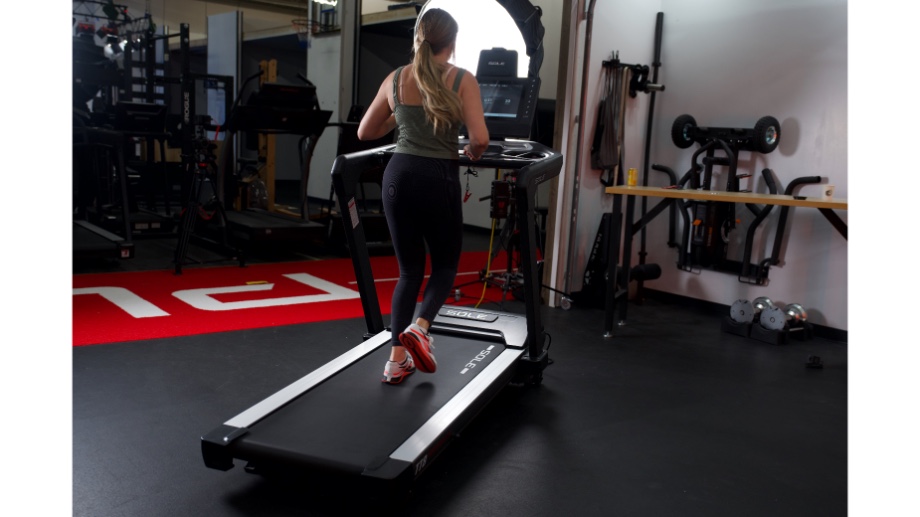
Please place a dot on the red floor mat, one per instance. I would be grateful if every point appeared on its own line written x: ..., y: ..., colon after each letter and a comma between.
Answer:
x: 118, y: 307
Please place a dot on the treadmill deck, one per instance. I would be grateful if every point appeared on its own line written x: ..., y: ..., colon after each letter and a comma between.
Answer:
x: 344, y: 419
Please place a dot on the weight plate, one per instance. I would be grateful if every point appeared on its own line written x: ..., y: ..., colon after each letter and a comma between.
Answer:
x: 742, y: 311
x: 773, y: 318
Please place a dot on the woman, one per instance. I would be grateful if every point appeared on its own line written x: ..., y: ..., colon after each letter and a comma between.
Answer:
x: 427, y: 100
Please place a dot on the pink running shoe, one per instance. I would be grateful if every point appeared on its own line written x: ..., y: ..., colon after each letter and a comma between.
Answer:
x: 394, y: 373
x: 420, y: 344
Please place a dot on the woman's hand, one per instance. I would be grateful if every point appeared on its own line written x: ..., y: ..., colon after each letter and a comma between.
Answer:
x: 469, y: 153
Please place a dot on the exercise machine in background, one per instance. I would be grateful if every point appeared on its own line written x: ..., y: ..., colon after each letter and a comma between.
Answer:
x: 120, y: 194
x: 708, y: 224
x: 273, y: 109
x: 99, y: 181
x: 368, y: 201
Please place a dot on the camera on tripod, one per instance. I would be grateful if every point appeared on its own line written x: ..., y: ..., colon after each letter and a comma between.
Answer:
x: 202, y: 149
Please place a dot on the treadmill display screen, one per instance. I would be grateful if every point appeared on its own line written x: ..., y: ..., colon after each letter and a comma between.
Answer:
x: 509, y: 104
x: 501, y: 99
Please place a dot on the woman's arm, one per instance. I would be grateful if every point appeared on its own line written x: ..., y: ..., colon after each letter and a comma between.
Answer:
x: 473, y: 117
x: 378, y: 120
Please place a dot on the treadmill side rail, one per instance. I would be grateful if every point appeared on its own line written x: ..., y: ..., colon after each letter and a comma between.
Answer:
x: 420, y: 449
x: 214, y: 445
x: 304, y: 384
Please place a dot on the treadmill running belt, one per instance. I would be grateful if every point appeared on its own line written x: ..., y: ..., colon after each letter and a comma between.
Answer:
x: 257, y: 225
x: 353, y: 421
x: 90, y: 241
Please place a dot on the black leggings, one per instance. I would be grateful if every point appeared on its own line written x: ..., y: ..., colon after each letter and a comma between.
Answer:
x: 421, y: 200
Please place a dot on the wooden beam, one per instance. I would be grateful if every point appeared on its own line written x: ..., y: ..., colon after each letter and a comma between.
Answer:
x: 406, y: 13
x: 732, y: 197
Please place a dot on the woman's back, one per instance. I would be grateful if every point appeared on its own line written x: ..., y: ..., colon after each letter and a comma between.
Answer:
x: 417, y: 134
x: 407, y: 91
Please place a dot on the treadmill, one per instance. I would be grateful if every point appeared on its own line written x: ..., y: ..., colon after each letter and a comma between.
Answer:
x: 275, y: 109
x: 93, y: 242
x: 340, y: 420
x: 90, y: 239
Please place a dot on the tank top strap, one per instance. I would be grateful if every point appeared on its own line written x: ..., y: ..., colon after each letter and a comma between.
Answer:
x: 396, y: 86
x: 457, y: 79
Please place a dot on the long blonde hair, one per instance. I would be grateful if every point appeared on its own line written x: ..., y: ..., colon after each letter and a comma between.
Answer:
x: 435, y: 31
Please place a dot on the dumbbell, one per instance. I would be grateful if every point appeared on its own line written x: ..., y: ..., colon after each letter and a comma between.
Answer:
x: 760, y: 303
x: 795, y: 314
x: 775, y: 318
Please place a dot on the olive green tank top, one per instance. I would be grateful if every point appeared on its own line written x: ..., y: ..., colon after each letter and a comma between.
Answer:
x: 416, y: 134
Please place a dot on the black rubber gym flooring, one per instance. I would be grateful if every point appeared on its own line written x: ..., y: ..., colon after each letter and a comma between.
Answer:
x: 670, y: 417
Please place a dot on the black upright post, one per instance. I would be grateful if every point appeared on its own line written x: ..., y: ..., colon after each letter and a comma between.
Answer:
x: 150, y: 65
x: 189, y: 165
x: 346, y: 172
x: 649, y: 125
x: 529, y: 178
x: 187, y: 86
x: 613, y: 252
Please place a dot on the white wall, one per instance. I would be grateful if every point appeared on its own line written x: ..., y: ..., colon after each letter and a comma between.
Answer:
x: 728, y: 63
x: 322, y: 70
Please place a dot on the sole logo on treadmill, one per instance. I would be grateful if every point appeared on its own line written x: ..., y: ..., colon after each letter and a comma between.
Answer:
x: 474, y: 362
x: 451, y: 312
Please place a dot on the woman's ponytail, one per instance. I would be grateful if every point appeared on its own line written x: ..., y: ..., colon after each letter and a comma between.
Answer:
x: 436, y: 31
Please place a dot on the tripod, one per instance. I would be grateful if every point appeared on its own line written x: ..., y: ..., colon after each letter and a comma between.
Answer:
x: 511, y: 280
x: 501, y: 208
x: 202, y: 164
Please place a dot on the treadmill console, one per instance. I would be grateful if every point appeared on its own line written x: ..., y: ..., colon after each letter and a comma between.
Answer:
x: 509, y: 104
x: 278, y: 108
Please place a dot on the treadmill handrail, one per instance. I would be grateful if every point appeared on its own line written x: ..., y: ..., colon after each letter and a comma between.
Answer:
x: 346, y: 173
x: 530, y: 178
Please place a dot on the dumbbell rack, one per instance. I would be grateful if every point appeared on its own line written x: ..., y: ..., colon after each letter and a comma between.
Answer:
x: 802, y: 332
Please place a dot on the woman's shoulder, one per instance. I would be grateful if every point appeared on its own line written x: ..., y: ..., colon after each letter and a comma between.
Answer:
x: 467, y: 79
x: 391, y: 75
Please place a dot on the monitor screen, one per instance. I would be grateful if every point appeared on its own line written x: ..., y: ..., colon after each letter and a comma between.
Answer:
x: 501, y: 99
x: 509, y: 105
